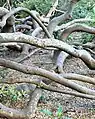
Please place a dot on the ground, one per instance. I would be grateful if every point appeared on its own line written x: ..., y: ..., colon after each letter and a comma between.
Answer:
x: 73, y: 107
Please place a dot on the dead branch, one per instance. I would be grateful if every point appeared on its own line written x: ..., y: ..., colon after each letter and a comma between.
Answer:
x: 11, y: 113
x: 23, y: 20
x: 50, y: 88
x: 29, y: 111
x: 9, y: 4
x: 29, y: 23
x: 52, y: 10
x: 35, y: 23
x: 90, y: 45
x: 3, y: 11
x: 32, y: 105
x: 52, y: 25
x: 28, y: 56
x: 13, y: 46
x: 67, y: 31
x: 59, y: 11
x: 9, y: 26
x: 87, y: 72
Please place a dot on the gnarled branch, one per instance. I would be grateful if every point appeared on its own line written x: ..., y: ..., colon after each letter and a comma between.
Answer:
x: 26, y: 113
x: 18, y: 37
x: 12, y: 12
x: 56, y: 20
x: 64, y: 26
x: 76, y: 27
x: 47, y: 87
x: 47, y: 74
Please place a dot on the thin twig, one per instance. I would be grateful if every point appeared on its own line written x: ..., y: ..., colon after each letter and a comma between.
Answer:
x: 29, y: 55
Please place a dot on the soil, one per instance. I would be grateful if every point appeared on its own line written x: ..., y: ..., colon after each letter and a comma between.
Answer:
x: 73, y: 107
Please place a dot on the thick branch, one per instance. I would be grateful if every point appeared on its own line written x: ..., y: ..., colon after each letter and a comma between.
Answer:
x: 9, y: 26
x: 12, y: 12
x: 60, y: 61
x: 36, y: 31
x: 11, y: 113
x: 26, y: 113
x: 56, y: 20
x: 44, y: 73
x: 64, y: 26
x: 50, y: 88
x: 77, y: 27
x: 47, y: 87
x: 18, y: 37
x: 32, y: 105
x: 78, y: 77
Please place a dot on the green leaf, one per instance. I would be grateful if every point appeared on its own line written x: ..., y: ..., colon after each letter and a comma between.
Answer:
x: 14, y: 97
x: 47, y: 112
x: 59, y: 111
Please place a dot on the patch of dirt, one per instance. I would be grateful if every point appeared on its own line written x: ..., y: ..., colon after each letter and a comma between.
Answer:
x: 73, y: 107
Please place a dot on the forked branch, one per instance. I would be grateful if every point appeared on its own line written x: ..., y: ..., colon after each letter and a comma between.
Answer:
x: 56, y: 20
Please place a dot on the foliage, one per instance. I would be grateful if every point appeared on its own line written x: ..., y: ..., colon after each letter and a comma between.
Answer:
x: 82, y: 38
x: 46, y: 112
x: 42, y: 6
x: 59, y: 112
x: 86, y: 37
x: 10, y: 93
x: 2, y: 2
x: 57, y: 115
x: 83, y: 9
